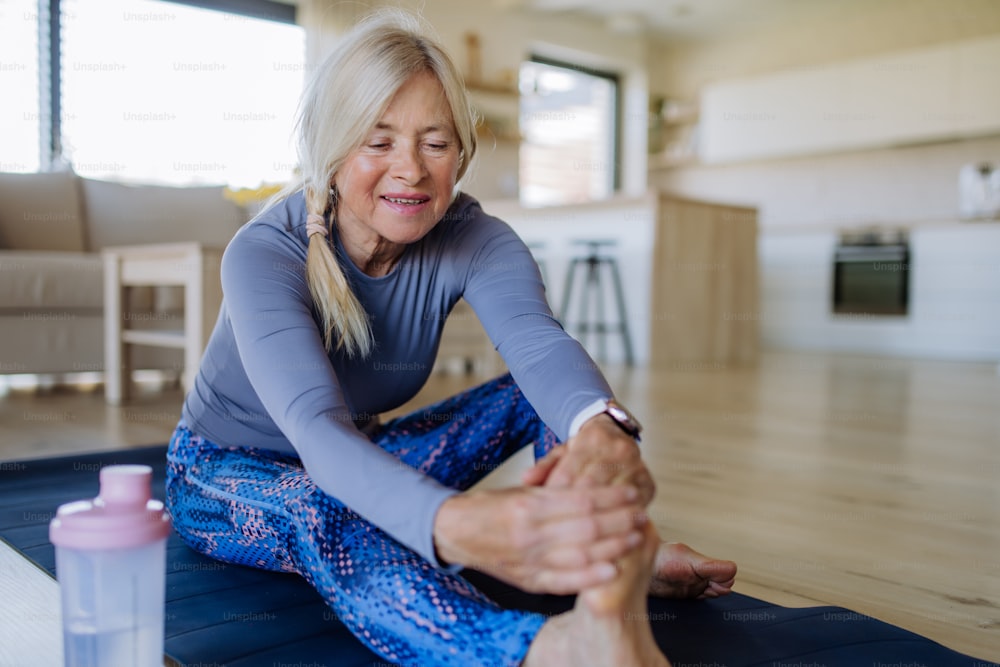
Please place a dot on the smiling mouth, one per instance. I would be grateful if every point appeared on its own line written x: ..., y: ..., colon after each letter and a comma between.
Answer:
x: 404, y: 200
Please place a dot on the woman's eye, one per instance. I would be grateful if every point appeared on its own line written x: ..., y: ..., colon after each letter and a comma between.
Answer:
x: 438, y: 147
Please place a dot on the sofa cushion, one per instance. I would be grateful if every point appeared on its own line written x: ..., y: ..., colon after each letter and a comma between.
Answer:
x: 41, y: 212
x: 120, y: 214
x: 54, y: 282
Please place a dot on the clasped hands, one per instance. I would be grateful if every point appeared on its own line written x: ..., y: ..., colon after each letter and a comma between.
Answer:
x: 580, y: 509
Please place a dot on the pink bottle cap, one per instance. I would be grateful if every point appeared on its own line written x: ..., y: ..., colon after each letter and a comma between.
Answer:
x: 122, y: 516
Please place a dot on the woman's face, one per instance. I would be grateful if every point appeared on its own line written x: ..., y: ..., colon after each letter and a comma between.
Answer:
x: 399, y: 183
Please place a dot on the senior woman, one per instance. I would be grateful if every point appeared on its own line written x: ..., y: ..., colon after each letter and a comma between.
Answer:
x: 334, y: 301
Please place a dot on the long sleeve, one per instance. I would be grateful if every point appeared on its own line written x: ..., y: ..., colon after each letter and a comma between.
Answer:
x: 282, y: 354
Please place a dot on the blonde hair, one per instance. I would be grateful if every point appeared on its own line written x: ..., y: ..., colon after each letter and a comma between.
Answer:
x: 344, y: 99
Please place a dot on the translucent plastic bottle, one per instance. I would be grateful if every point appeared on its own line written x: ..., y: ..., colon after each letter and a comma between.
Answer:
x: 111, y: 567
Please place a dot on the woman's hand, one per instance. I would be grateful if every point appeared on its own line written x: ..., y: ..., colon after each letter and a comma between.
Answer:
x: 541, y: 540
x: 600, y: 454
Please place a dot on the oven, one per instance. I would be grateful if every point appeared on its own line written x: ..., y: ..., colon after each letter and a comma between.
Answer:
x: 871, y: 273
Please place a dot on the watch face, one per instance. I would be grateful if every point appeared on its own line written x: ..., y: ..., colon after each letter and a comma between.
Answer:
x: 624, y: 418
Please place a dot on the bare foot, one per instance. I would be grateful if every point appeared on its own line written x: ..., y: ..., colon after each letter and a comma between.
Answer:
x: 681, y: 572
x: 609, y: 624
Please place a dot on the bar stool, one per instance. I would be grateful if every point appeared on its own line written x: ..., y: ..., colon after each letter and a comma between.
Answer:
x: 591, y: 263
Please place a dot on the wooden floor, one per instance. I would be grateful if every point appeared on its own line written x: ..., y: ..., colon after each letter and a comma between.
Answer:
x: 869, y: 483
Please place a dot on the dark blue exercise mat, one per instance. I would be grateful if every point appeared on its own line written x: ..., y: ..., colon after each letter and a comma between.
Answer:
x: 225, y: 615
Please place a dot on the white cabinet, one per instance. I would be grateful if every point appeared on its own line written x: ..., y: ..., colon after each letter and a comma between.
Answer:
x: 954, y: 310
x: 977, y: 85
x: 926, y: 94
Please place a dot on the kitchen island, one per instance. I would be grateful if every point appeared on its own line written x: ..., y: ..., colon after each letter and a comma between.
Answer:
x: 688, y: 272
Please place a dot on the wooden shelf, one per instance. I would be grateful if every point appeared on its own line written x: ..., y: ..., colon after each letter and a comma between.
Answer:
x: 676, y: 113
x: 660, y: 161
x: 487, y: 133
x: 161, y: 338
x: 492, y: 89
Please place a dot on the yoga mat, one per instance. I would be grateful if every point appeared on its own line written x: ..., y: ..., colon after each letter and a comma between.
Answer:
x: 230, y: 616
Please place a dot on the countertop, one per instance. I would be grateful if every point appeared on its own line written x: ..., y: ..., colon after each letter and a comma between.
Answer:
x: 909, y: 225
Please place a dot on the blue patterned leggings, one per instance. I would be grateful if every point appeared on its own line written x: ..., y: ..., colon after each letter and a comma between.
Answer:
x: 259, y: 508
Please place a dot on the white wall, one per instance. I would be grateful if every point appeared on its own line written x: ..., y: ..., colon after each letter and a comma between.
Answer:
x: 814, y: 34
x: 894, y: 184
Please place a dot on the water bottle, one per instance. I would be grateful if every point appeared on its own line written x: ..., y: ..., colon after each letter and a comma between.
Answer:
x: 111, y: 567
x: 974, y: 188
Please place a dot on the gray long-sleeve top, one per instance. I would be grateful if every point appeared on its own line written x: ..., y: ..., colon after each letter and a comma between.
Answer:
x: 266, y: 380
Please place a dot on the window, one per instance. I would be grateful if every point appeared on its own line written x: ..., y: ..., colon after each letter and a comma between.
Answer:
x: 19, y: 112
x: 569, y: 123
x: 170, y: 93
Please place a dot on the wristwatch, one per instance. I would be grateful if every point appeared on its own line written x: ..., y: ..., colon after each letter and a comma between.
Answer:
x: 625, y: 420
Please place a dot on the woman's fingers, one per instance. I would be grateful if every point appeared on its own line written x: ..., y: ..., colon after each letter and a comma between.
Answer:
x: 549, y: 504
x: 541, y: 539
x: 565, y: 470
x: 578, y: 531
x: 539, y: 473
x: 580, y: 556
x: 591, y: 527
x: 636, y: 475
x: 565, y: 582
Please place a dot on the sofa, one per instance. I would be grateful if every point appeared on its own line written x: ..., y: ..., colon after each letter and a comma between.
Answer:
x: 52, y: 229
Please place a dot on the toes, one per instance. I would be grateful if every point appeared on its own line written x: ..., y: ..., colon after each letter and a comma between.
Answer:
x: 715, y: 589
x: 720, y: 571
x: 680, y: 571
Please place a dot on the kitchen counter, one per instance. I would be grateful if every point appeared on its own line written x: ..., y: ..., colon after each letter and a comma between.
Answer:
x: 932, y: 223
x: 688, y: 269
x: 954, y: 292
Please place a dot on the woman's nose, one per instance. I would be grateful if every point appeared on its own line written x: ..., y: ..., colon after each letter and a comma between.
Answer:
x: 408, y: 165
